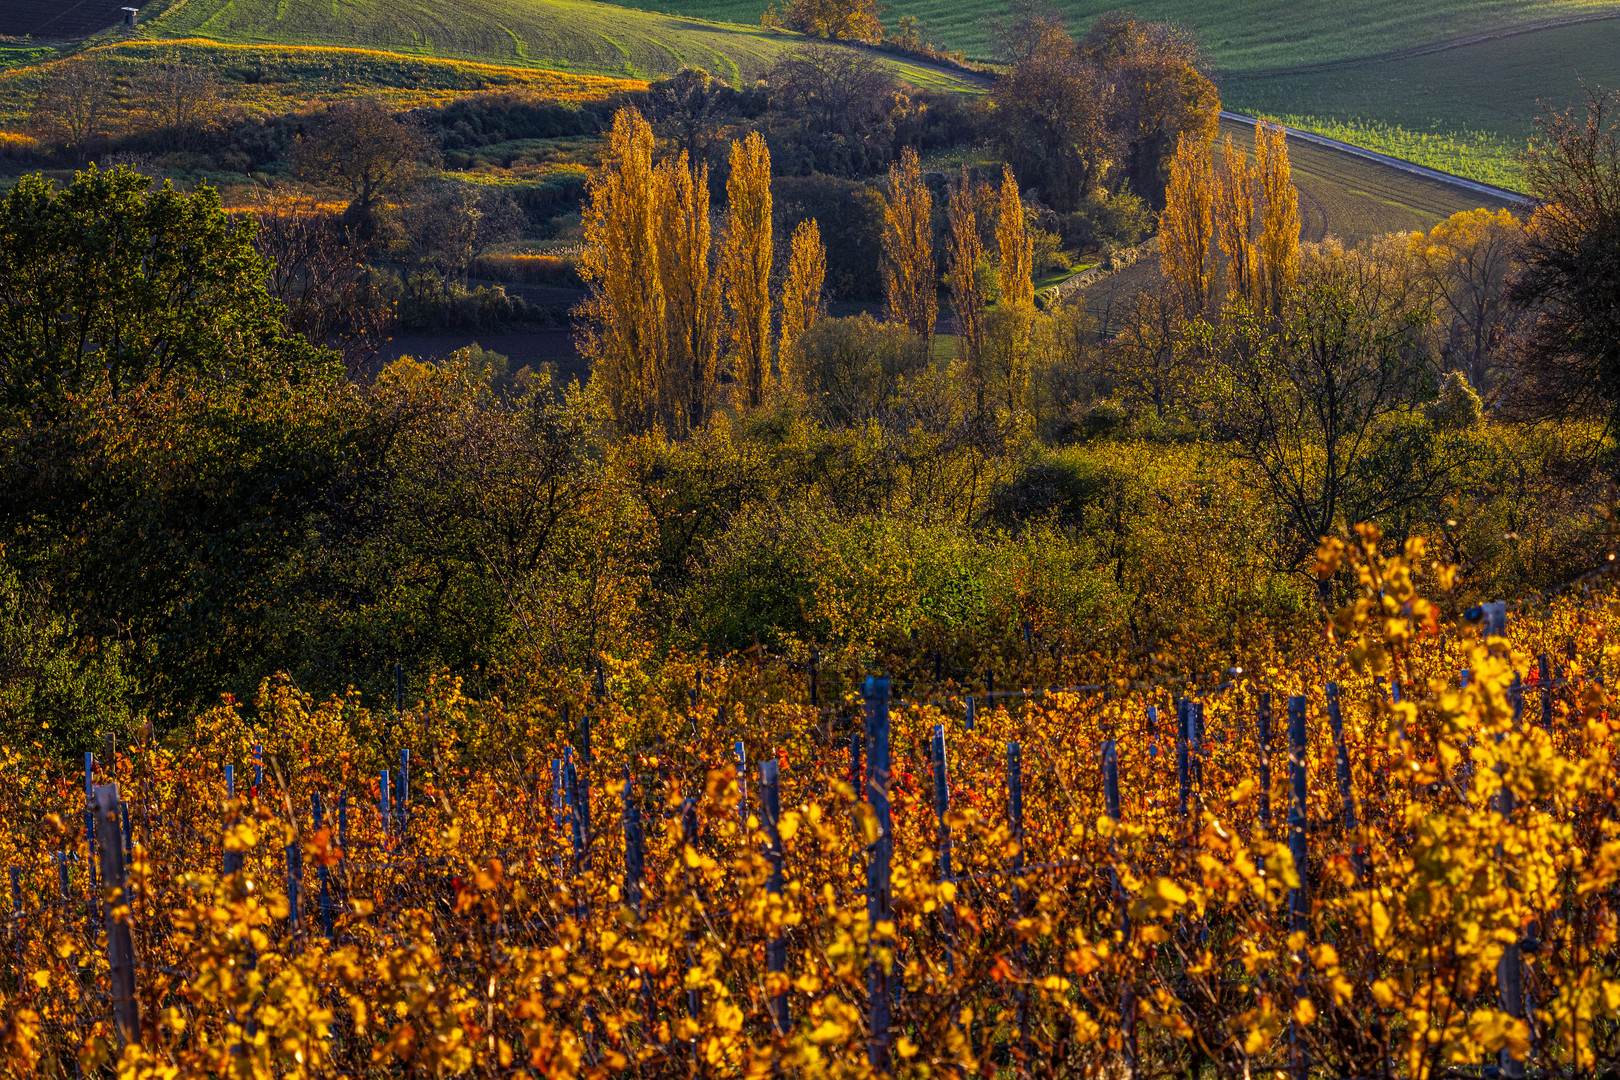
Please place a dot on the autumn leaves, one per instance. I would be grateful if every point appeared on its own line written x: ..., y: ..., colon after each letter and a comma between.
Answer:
x: 1235, y: 219
x: 665, y: 297
x: 676, y: 312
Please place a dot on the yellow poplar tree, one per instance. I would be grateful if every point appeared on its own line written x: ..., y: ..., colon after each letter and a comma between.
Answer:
x: 1185, y: 226
x: 1279, y: 227
x: 909, y: 280
x: 1017, y: 246
x: 801, y: 292
x: 691, y: 294
x: 964, y: 253
x: 1235, y: 223
x: 746, y: 263
x: 622, y: 332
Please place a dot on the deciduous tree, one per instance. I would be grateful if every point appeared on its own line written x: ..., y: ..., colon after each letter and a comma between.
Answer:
x: 801, y: 291
x: 1278, y: 247
x: 623, y: 333
x: 1017, y: 249
x: 691, y: 287
x: 364, y: 150
x: 1186, y: 226
x: 74, y: 104
x: 909, y: 276
x: 1569, y: 276
x: 746, y: 264
x: 1468, y: 260
x: 964, y: 258
x: 1236, y: 219
x: 843, y: 20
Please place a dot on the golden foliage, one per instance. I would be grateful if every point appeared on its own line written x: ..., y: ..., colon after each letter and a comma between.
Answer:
x: 1278, y: 248
x: 691, y: 294
x: 910, y: 281
x: 801, y: 292
x: 1017, y: 248
x: 622, y: 334
x: 964, y: 255
x: 745, y: 264
x: 1185, y: 226
x: 1236, y: 220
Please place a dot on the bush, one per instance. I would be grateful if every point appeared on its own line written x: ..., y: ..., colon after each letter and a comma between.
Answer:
x: 851, y: 369
x: 1101, y: 223
x: 430, y: 304
x: 529, y: 270
x: 1458, y: 408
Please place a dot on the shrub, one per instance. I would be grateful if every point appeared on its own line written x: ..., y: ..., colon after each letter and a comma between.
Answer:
x: 529, y: 270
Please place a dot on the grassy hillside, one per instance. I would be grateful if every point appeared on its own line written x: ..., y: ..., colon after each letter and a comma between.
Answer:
x: 1466, y: 110
x: 1241, y: 35
x: 277, y: 79
x: 572, y: 35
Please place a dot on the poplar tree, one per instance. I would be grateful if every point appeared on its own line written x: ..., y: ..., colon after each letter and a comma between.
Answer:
x: 964, y: 253
x: 1236, y: 223
x: 622, y: 334
x: 746, y: 263
x: 908, y: 248
x: 1185, y: 225
x: 691, y: 294
x: 1017, y: 246
x: 1279, y: 228
x: 801, y: 292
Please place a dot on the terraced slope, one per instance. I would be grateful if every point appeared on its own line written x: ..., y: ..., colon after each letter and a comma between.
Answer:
x: 570, y: 35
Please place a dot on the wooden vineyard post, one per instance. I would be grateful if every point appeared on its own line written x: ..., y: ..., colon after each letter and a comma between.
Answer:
x: 322, y: 873
x: 90, y: 861
x: 16, y: 920
x: 942, y: 807
x: 635, y: 860
x: 233, y: 859
x: 383, y: 816
x: 815, y: 677
x: 1183, y: 774
x: 581, y: 788
x: 1358, y: 856
x: 1299, y: 898
x: 1544, y: 684
x: 689, y: 836
x: 1263, y: 729
x: 1127, y: 990
x: 1510, y: 968
x: 572, y: 786
x: 295, y: 886
x: 1015, y: 818
x: 402, y: 793
x: 878, y: 909
x: 1195, y: 728
x: 741, y: 753
x: 770, y: 806
x: 120, y: 946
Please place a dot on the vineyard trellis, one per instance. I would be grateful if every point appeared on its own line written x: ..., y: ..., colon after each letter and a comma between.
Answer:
x: 1026, y: 885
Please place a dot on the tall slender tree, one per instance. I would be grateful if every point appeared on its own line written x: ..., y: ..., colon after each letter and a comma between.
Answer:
x: 746, y: 263
x: 909, y: 277
x: 964, y: 254
x: 801, y: 292
x: 1237, y: 223
x: 622, y: 334
x: 1017, y: 246
x: 1186, y: 224
x: 1279, y: 225
x: 691, y: 294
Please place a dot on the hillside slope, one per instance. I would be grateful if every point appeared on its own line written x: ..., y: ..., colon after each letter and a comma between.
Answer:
x: 572, y: 35
x: 1240, y: 35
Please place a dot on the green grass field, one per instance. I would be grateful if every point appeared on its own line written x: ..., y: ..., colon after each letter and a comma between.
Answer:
x: 1467, y: 110
x: 570, y: 35
x: 1240, y: 35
